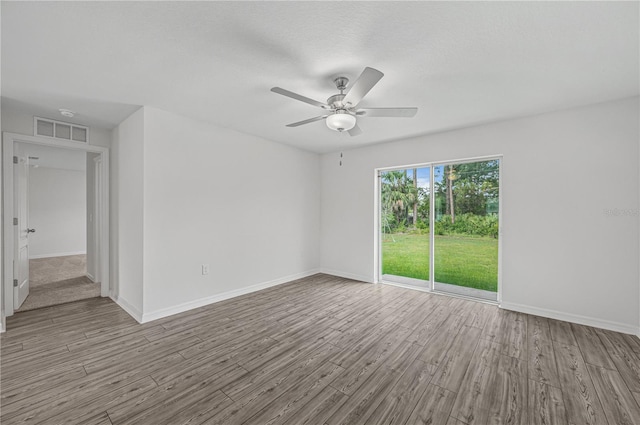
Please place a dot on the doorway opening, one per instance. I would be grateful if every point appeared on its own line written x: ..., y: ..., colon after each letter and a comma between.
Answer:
x: 55, y: 222
x: 438, y: 227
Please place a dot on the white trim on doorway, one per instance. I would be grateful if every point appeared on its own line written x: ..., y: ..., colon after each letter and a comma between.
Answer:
x: 8, y: 141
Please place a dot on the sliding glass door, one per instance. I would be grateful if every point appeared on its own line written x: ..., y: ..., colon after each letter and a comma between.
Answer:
x: 404, y: 225
x: 439, y: 227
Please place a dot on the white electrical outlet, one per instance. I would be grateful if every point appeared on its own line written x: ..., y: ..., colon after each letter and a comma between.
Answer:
x: 205, y: 269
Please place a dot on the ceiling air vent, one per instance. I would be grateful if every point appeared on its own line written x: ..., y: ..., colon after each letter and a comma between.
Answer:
x: 60, y: 130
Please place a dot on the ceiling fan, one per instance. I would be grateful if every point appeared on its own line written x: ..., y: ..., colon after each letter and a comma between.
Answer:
x: 342, y: 108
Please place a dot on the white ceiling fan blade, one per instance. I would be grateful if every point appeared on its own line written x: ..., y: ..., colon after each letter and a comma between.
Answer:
x: 355, y: 131
x: 299, y: 97
x: 314, y: 119
x: 388, y: 112
x: 361, y: 87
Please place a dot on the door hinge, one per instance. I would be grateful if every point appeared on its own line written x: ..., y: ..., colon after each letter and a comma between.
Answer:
x: 15, y: 159
x: 15, y: 221
x: 15, y: 283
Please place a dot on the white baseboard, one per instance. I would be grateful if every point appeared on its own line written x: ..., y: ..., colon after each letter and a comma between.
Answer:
x: 91, y: 278
x: 190, y: 305
x: 574, y: 318
x: 131, y: 310
x: 347, y: 275
x: 58, y: 254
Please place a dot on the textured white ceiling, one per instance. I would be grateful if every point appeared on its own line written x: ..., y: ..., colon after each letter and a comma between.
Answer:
x: 460, y: 63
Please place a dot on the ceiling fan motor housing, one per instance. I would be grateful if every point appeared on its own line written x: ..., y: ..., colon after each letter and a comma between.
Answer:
x: 341, y: 83
x: 335, y: 101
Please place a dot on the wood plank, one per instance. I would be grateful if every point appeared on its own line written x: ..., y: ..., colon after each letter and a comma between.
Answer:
x: 619, y: 405
x: 285, y: 350
x: 368, y: 361
x: 283, y: 408
x: 592, y: 349
x: 9, y: 348
x: 451, y: 371
x: 319, y: 409
x: 509, y: 401
x: 424, y: 307
x: 546, y: 406
x: 580, y: 399
x: 363, y: 334
x: 438, y: 345
x: 286, y: 367
x: 637, y: 397
x: 404, y: 396
x: 561, y: 332
x: 174, y: 396
x: 29, y: 358
x: 509, y: 329
x: 433, y: 407
x: 481, y: 315
x: 43, y: 382
x: 360, y: 405
x: 626, y: 361
x: 202, y: 409
x: 477, y: 384
x: 268, y: 358
x: 494, y: 386
x: 429, y: 327
x: 109, y: 333
x: 169, y: 345
x: 258, y: 397
x: 57, y: 409
x: 541, y: 359
x: 99, y: 419
x: 634, y: 342
x: 91, y: 386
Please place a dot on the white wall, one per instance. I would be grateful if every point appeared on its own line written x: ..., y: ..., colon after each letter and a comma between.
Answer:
x: 563, y: 254
x: 248, y: 207
x: 127, y: 209
x: 57, y: 210
x: 189, y: 193
x: 16, y: 121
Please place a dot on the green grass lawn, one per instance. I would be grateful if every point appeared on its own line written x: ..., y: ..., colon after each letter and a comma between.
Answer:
x: 459, y: 260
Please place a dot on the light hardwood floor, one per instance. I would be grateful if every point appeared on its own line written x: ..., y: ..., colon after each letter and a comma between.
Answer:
x: 321, y: 350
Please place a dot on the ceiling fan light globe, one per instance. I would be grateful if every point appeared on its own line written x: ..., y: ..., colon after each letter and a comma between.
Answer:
x: 341, y: 121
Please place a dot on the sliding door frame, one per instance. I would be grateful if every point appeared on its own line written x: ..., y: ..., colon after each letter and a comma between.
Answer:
x: 378, y: 228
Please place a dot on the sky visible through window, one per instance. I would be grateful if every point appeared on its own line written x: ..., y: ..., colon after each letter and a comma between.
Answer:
x: 423, y: 175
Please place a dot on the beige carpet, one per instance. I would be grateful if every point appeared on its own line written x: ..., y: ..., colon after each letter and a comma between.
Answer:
x: 58, y: 280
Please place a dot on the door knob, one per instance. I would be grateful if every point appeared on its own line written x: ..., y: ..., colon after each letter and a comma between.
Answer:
x: 31, y: 231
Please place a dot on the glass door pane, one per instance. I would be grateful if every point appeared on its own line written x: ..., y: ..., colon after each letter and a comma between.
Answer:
x: 466, y: 228
x: 404, y: 225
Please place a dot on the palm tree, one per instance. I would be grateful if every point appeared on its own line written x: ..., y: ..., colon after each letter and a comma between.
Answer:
x: 398, y: 195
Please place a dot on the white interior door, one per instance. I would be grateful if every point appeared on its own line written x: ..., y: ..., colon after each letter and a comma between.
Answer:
x: 21, y: 238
